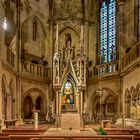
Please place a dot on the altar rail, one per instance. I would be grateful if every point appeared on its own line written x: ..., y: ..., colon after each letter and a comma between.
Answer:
x: 39, y: 70
x: 131, y: 56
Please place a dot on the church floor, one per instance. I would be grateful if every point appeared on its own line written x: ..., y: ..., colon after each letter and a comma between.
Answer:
x: 86, y: 131
x: 51, y: 131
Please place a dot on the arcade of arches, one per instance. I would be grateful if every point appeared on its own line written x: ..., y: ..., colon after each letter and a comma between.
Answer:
x: 70, y: 56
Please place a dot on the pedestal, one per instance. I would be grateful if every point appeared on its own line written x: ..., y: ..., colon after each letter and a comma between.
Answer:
x: 106, y: 123
x: 36, y: 120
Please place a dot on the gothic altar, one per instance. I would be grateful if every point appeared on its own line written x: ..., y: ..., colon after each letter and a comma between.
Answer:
x: 69, y: 79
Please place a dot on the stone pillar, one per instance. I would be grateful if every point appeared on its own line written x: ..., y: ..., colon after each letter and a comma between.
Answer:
x: 77, y: 103
x: 57, y: 101
x: 2, y: 56
x: 60, y: 98
x: 1, y: 115
x: 36, y: 119
x: 81, y: 103
x: 121, y: 31
x: 121, y: 109
x: 86, y: 39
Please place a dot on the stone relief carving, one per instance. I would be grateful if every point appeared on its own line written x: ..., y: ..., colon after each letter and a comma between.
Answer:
x: 70, y: 59
x: 56, y: 69
x: 68, y: 9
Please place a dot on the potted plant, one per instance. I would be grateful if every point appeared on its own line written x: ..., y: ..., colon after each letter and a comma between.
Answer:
x: 101, y: 131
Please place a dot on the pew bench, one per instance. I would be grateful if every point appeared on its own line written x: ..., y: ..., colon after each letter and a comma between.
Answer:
x: 4, y: 137
x: 96, y: 137
x: 10, y: 122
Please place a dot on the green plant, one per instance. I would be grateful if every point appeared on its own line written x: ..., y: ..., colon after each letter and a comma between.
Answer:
x: 101, y: 131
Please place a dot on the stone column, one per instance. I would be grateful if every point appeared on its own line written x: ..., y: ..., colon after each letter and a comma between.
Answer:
x: 1, y: 115
x: 86, y: 39
x: 36, y: 119
x: 81, y: 103
x: 57, y: 101
x: 60, y: 103
x: 76, y: 102
x: 121, y: 109
x: 18, y: 57
x: 121, y: 31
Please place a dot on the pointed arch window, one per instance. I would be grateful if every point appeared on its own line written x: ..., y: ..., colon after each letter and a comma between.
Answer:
x: 34, y: 29
x: 68, y: 97
x: 107, y: 31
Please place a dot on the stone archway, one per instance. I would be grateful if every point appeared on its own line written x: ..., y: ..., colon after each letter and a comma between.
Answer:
x: 132, y: 102
x: 4, y: 100
x: 103, y: 105
x: 27, y: 107
x: 38, y: 104
x: 8, y: 101
x: 36, y: 100
x: 12, y: 91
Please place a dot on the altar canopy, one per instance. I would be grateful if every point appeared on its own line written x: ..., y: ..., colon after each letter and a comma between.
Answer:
x: 69, y: 70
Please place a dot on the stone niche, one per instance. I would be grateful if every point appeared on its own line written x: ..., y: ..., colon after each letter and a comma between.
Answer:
x: 70, y: 121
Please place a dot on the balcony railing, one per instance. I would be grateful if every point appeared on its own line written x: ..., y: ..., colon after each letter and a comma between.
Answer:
x: 131, y: 56
x: 32, y: 69
x: 10, y: 57
x: 107, y: 68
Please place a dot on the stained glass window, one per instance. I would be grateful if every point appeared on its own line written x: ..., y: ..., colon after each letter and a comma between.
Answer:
x: 68, y: 97
x: 139, y: 20
x: 107, y: 31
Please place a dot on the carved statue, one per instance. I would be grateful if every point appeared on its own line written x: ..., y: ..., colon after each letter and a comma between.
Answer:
x: 68, y: 40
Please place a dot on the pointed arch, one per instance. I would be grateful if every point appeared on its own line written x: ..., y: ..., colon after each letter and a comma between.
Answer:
x: 110, y: 104
x: 101, y: 104
x: 132, y: 92
x: 33, y: 94
x: 4, y: 97
x: 127, y: 96
x: 12, y: 88
x: 72, y: 27
x: 27, y: 107
x: 12, y: 93
x: 68, y: 75
x: 34, y: 17
x: 4, y: 81
x: 33, y: 37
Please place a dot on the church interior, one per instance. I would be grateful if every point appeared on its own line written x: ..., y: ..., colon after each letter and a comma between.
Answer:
x: 70, y: 65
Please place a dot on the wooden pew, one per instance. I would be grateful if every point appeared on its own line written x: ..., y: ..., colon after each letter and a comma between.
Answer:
x: 47, y: 138
x: 10, y: 122
x: 4, y: 137
x: 96, y: 137
x: 23, y: 131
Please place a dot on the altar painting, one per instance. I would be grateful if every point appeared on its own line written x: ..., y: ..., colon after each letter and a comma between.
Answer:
x: 68, y: 93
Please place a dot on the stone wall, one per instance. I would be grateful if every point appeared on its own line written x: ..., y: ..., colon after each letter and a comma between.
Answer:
x: 131, y: 79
